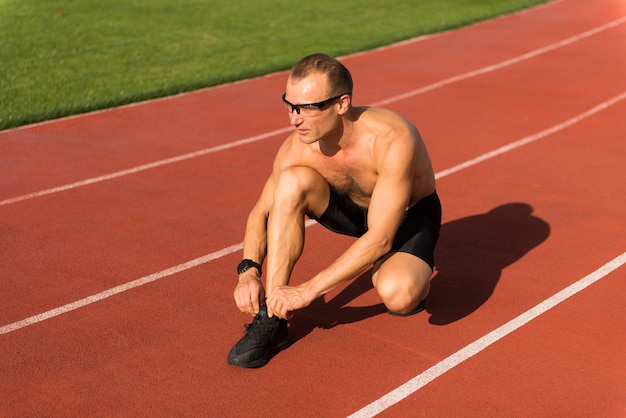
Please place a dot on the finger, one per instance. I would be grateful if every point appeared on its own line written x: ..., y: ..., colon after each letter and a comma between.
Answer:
x: 283, y: 313
x: 279, y: 309
x: 260, y: 299
x: 254, y: 303
x: 245, y: 305
x: 257, y: 297
x: 240, y: 301
x: 270, y: 311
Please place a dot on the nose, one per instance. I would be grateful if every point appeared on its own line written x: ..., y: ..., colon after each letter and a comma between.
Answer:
x: 295, y: 118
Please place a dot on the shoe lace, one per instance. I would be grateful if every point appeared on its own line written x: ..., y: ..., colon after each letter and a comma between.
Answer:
x: 259, y: 328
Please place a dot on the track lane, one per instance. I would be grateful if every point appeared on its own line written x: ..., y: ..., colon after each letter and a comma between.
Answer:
x: 140, y: 337
x: 573, y: 367
x: 111, y: 142
x: 219, y: 253
x: 519, y: 92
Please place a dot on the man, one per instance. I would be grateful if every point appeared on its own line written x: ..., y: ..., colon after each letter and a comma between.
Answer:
x: 358, y: 171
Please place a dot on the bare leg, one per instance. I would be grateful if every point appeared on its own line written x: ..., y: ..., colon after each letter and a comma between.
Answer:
x: 300, y: 190
x: 402, y: 281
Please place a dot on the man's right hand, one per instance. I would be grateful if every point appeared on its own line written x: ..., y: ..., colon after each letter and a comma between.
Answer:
x: 249, y: 292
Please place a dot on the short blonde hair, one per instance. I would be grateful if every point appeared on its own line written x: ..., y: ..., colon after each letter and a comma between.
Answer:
x: 339, y: 78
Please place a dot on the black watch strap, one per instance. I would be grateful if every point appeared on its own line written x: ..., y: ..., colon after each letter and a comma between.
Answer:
x: 246, y: 265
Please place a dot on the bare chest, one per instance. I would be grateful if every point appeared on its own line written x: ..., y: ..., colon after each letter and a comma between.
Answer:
x: 351, y: 175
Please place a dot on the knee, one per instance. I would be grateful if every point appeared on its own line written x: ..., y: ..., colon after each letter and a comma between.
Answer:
x: 396, y: 298
x: 400, y: 295
x: 293, y: 181
x: 297, y: 186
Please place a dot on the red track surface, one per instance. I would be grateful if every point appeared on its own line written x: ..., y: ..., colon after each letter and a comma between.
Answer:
x: 91, y: 204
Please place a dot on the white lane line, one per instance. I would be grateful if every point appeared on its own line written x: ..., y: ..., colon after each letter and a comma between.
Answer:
x: 532, y: 138
x: 145, y: 167
x: 119, y: 289
x: 482, y: 343
x: 505, y: 63
x: 233, y: 248
x: 244, y: 141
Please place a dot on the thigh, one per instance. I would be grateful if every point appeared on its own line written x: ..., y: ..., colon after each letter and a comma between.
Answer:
x: 419, y: 231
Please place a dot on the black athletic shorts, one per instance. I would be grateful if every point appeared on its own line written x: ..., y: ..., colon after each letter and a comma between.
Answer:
x: 417, y: 234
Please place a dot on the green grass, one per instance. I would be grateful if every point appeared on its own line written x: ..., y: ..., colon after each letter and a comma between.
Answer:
x: 59, y: 58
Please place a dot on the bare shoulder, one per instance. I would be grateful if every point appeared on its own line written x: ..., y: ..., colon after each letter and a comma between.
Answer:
x: 389, y: 128
x: 399, y: 148
x: 387, y: 123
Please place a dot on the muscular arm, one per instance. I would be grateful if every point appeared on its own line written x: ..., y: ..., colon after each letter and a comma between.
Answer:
x: 388, y: 203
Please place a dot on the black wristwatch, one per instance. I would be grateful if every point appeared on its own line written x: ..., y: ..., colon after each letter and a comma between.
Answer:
x: 246, y: 265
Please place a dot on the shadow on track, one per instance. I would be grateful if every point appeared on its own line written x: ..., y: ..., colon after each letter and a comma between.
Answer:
x: 470, y: 257
x: 471, y: 254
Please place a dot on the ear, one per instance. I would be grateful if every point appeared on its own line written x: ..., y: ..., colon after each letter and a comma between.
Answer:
x: 344, y: 104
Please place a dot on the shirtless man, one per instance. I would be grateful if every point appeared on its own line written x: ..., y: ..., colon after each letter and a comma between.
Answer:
x: 358, y: 171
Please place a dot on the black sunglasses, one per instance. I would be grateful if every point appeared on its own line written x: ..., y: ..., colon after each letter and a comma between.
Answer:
x: 309, y: 107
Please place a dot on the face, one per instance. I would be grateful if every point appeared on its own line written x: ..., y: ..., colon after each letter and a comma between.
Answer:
x: 312, y: 123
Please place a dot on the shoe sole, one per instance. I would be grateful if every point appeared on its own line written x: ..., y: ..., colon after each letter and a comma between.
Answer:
x: 263, y: 360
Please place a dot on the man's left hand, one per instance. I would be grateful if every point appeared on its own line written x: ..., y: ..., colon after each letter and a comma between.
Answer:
x: 285, y: 299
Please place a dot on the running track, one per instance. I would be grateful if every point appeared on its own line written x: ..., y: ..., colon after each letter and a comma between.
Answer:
x: 120, y: 230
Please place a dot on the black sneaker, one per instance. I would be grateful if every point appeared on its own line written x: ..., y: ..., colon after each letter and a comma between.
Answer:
x: 264, y: 337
